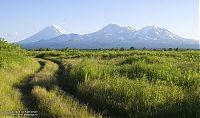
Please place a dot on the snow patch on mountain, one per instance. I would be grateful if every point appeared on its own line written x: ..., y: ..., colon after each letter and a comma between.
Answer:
x: 47, y: 33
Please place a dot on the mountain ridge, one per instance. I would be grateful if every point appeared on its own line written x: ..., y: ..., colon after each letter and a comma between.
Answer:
x: 46, y: 33
x: 115, y: 36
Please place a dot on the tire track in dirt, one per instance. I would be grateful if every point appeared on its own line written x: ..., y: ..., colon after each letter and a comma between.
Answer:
x: 26, y: 87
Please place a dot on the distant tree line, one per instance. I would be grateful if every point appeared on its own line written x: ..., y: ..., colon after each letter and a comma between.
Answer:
x: 114, y: 49
x: 5, y: 46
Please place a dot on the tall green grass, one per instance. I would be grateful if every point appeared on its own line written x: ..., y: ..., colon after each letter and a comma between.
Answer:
x: 57, y: 105
x: 148, y: 84
x: 13, y: 69
x: 132, y: 98
x: 51, y: 101
x: 132, y: 83
x: 47, y: 76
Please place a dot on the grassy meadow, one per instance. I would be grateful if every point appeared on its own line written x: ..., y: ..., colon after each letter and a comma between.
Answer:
x: 101, y: 83
x: 14, y: 67
x: 132, y: 83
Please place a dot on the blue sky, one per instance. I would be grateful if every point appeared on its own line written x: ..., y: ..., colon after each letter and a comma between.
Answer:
x: 22, y: 18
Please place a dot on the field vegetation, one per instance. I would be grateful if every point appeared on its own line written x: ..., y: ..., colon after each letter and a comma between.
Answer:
x: 14, y: 67
x: 133, y: 83
x: 100, y: 83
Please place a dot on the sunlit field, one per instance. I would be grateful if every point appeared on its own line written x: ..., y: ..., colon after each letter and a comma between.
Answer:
x: 100, y: 83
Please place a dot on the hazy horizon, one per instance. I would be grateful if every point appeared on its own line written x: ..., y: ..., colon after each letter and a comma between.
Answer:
x: 22, y: 19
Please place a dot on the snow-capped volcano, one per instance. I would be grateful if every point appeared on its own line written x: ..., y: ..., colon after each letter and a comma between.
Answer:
x: 111, y: 36
x: 110, y: 33
x: 113, y: 28
x: 47, y: 33
x: 155, y: 33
